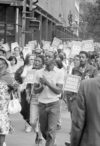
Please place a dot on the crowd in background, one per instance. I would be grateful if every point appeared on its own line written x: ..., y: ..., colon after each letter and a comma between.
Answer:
x: 85, y: 64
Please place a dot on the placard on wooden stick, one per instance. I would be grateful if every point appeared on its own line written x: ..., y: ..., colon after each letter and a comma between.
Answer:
x: 72, y: 83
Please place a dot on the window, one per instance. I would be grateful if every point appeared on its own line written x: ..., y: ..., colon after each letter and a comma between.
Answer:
x: 7, y: 23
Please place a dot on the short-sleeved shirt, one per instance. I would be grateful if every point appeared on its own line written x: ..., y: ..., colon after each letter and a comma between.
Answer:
x: 56, y: 76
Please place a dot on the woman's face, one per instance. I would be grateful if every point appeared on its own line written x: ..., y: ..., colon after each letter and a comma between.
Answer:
x: 31, y: 60
x: 76, y: 61
x: 17, y: 51
x: 38, y: 63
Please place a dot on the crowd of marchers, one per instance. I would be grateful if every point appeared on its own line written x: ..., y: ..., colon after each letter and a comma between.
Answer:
x: 38, y: 79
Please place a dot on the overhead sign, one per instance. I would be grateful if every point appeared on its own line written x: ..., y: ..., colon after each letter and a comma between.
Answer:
x: 35, y: 24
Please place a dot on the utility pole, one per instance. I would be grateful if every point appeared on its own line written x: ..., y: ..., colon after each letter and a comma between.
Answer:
x: 23, y: 23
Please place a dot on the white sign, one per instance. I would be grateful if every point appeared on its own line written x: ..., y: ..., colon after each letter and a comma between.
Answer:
x: 30, y: 78
x: 72, y: 83
x: 56, y: 42
x: 76, y: 48
x: 46, y: 45
x: 88, y: 45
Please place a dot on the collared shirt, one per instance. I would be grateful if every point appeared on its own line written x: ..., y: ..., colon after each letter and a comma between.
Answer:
x: 88, y: 70
x: 56, y: 76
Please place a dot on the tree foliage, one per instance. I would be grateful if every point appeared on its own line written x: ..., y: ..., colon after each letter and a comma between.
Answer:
x: 91, y: 20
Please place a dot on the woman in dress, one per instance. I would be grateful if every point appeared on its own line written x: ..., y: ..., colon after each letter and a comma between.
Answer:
x: 6, y: 85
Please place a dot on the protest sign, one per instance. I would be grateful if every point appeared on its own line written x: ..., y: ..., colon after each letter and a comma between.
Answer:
x: 56, y: 42
x: 72, y: 83
x: 30, y: 78
x: 75, y: 48
x: 88, y: 45
x: 46, y: 45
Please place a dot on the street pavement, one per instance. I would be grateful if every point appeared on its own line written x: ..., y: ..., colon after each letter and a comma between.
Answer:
x: 20, y: 138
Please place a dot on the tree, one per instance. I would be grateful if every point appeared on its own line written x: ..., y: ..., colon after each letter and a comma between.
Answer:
x: 91, y: 19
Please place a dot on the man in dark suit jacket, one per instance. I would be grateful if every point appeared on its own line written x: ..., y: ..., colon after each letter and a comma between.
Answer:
x: 86, y: 114
x: 85, y: 70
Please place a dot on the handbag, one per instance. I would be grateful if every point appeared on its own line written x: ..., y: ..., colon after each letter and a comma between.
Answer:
x: 14, y: 105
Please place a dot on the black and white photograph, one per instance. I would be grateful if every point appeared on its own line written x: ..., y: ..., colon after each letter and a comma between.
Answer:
x: 49, y: 72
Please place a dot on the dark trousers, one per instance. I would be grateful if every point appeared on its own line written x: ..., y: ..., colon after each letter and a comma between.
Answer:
x: 48, y: 117
x: 2, y: 140
x: 25, y: 112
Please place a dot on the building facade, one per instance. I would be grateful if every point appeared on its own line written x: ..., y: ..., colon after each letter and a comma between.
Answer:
x: 52, y: 14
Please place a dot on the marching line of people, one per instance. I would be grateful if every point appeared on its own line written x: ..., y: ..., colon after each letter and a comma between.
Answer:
x: 39, y: 80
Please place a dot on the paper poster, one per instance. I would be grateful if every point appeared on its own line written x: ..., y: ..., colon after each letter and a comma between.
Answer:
x: 88, y: 45
x: 56, y: 42
x: 75, y: 48
x: 46, y: 45
x: 30, y: 78
x: 72, y: 83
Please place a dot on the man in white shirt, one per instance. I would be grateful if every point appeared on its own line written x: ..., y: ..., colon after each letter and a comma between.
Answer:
x: 49, y: 89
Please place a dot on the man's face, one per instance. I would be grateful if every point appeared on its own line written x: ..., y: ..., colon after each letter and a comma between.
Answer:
x: 31, y: 60
x: 83, y: 59
x: 17, y: 51
x: 49, y: 58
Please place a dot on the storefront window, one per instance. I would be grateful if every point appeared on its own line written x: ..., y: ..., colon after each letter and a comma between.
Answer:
x: 7, y: 23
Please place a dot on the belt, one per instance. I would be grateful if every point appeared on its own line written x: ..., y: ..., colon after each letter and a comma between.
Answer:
x: 49, y: 104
